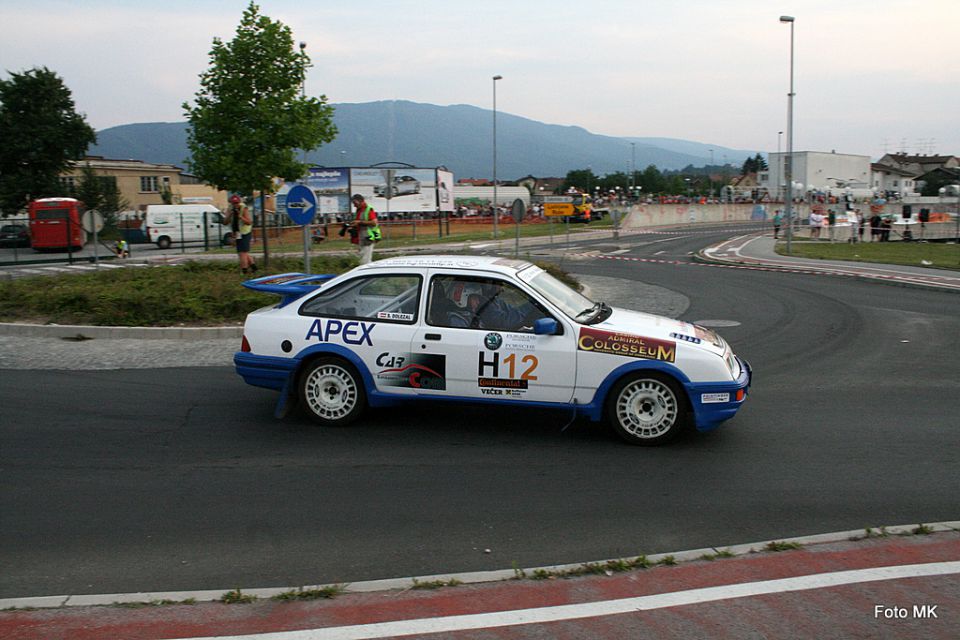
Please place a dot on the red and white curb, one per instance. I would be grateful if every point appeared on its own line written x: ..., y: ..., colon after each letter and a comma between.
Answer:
x: 401, y: 584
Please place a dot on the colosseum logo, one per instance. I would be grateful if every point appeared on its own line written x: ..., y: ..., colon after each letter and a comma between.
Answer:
x: 623, y: 344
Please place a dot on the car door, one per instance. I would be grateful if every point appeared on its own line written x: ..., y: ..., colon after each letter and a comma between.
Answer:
x: 373, y: 317
x: 500, y: 359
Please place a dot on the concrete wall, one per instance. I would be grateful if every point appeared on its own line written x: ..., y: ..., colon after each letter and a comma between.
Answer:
x: 657, y: 215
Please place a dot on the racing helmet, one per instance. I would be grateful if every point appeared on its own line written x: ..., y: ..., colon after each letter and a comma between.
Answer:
x: 462, y: 292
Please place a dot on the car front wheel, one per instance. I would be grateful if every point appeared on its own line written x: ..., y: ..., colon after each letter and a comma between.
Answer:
x: 647, y: 409
x: 331, y: 392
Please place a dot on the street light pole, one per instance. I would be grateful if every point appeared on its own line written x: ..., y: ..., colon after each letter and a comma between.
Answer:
x: 495, y: 228
x: 788, y: 165
x: 303, y: 95
x: 779, y: 166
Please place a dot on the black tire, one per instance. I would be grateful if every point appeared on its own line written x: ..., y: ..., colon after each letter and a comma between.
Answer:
x: 163, y: 242
x: 647, y: 409
x: 331, y: 392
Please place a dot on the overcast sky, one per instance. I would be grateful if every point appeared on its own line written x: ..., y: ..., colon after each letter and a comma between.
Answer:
x: 871, y: 75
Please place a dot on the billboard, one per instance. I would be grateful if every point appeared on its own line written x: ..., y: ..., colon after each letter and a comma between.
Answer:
x: 396, y: 190
x: 445, y: 190
x: 331, y: 186
x: 388, y: 190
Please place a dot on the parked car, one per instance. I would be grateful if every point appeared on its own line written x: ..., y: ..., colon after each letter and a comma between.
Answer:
x: 402, y: 185
x: 484, y: 330
x: 14, y: 235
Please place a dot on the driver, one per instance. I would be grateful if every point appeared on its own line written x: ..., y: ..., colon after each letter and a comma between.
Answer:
x: 467, y: 300
x: 481, y: 306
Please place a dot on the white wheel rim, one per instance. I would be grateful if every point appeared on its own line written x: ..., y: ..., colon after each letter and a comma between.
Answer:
x: 331, y: 392
x: 646, y: 408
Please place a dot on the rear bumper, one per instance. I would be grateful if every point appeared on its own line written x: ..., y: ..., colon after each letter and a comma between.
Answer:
x: 264, y: 371
x: 714, y: 403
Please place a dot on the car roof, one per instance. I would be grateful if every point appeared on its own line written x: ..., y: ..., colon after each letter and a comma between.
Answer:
x: 505, y: 266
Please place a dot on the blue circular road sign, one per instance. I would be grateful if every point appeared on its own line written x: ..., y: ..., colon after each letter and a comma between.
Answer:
x: 301, y: 204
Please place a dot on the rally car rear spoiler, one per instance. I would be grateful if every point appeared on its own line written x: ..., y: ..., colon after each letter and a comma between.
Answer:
x: 290, y: 286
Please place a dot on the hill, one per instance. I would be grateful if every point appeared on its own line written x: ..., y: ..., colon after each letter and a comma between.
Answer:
x: 459, y: 137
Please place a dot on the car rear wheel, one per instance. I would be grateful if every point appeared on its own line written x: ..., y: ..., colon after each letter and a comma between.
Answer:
x: 331, y: 392
x: 164, y: 242
x: 647, y: 409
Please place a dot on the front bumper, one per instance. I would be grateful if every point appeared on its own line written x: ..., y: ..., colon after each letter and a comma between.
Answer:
x: 714, y: 403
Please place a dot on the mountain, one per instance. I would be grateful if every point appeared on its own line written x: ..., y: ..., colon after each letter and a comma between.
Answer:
x: 459, y: 137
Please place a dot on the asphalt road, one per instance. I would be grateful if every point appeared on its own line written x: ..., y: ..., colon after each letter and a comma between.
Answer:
x: 169, y: 479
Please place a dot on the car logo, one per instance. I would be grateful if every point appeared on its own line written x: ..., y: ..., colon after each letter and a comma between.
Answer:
x: 492, y: 341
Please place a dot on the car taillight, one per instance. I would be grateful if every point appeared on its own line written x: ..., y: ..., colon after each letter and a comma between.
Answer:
x: 245, y: 346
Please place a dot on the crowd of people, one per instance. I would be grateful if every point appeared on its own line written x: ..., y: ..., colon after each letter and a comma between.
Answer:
x: 880, y: 225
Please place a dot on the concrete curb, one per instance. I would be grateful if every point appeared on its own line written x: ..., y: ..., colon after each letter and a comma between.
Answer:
x: 84, y: 332
x: 500, y: 575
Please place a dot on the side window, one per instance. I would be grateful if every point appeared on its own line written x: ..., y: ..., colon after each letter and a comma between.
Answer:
x: 390, y: 298
x: 481, y: 303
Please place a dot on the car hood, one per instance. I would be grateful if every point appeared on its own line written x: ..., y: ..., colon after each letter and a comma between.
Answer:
x: 637, y: 323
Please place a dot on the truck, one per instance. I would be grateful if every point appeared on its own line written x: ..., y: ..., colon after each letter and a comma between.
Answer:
x: 582, y: 207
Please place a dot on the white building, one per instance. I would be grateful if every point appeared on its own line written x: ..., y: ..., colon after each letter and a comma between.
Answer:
x: 889, y: 179
x: 817, y: 171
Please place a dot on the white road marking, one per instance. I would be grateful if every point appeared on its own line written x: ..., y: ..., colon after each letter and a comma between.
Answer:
x: 541, y: 615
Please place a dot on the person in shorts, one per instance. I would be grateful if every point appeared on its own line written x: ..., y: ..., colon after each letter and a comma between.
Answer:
x: 241, y: 222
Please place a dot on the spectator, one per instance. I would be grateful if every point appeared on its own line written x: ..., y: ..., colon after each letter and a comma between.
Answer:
x: 241, y: 222
x: 364, y: 228
x: 875, y: 222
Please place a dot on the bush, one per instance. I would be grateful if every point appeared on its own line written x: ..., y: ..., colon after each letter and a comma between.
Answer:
x: 196, y: 293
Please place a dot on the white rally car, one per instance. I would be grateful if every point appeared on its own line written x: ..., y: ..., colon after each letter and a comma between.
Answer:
x: 483, y: 329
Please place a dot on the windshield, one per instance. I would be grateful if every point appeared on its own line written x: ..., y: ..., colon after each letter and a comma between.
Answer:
x: 560, y: 295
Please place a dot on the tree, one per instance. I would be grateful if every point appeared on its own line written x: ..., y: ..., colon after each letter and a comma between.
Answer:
x: 753, y: 165
x: 651, y: 180
x: 41, y: 133
x: 100, y: 193
x: 582, y: 179
x: 250, y: 118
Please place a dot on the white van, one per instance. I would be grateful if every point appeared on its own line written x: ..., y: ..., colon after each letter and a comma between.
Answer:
x: 168, y: 224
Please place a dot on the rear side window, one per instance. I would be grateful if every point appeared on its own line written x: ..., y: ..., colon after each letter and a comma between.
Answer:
x: 381, y: 298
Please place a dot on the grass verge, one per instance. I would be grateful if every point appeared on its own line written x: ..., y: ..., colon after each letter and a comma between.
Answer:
x: 936, y: 255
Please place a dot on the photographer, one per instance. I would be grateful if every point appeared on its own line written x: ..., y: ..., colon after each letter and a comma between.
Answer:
x: 363, y: 229
x: 241, y: 222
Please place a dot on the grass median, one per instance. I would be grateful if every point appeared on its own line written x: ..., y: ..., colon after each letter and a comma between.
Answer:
x: 935, y: 255
x: 207, y: 293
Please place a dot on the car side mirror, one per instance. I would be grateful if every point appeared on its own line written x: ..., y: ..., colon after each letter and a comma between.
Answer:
x: 545, y: 327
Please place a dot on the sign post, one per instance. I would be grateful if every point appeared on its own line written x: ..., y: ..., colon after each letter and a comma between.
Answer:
x: 93, y: 223
x: 518, y: 209
x: 301, y: 208
x: 559, y: 206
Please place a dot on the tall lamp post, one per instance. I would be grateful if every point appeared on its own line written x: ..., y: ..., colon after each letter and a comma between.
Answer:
x: 495, y: 228
x: 788, y: 164
x: 779, y: 166
x: 303, y: 95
